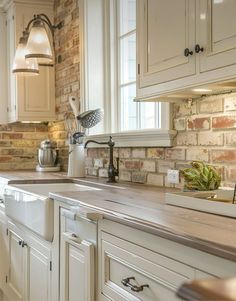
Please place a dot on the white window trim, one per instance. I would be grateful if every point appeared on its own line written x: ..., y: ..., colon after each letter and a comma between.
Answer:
x: 141, y: 138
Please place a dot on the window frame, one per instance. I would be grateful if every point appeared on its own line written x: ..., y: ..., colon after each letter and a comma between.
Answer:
x: 147, y: 137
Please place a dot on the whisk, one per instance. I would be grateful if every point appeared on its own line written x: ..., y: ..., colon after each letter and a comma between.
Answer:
x: 89, y: 119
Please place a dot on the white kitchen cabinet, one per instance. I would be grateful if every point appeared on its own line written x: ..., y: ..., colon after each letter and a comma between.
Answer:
x: 77, y: 259
x: 151, y: 260
x: 76, y: 264
x: 30, y: 98
x: 166, y: 40
x: 3, y: 248
x: 217, y: 34
x: 131, y: 272
x: 165, y: 29
x: 28, y: 274
x: 17, y: 274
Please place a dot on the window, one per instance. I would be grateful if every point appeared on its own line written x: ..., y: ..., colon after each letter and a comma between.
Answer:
x: 131, y: 115
x: 108, y: 76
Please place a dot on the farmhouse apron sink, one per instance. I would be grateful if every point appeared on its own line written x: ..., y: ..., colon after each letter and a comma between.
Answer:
x: 29, y: 205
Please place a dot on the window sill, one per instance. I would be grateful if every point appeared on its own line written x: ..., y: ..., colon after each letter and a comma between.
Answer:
x: 144, y: 138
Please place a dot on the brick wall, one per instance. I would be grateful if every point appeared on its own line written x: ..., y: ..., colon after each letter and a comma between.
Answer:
x: 19, y: 144
x: 66, y: 70
x: 206, y: 130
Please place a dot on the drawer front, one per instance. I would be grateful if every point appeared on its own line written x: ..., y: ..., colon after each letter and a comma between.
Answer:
x: 130, y: 272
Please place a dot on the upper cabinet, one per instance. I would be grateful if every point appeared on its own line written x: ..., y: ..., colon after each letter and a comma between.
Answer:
x: 217, y: 34
x: 30, y: 98
x: 183, y: 44
x: 167, y: 38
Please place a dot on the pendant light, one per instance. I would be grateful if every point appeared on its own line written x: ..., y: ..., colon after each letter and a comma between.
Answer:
x: 21, y: 65
x: 35, y: 46
x: 38, y: 45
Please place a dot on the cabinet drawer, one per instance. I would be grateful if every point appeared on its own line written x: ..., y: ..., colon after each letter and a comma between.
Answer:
x: 159, y: 275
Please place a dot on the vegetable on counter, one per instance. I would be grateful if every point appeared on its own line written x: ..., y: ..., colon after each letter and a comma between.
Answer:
x: 201, y: 177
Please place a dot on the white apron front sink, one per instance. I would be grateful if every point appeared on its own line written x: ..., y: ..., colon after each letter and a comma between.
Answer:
x: 29, y: 204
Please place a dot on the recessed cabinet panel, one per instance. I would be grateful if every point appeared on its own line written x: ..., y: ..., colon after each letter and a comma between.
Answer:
x: 130, y: 272
x: 39, y: 279
x: 30, y: 98
x: 165, y: 29
x: 217, y: 34
x: 16, y: 266
x: 36, y: 105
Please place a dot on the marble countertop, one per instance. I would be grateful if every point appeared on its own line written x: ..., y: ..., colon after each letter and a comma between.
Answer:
x: 143, y: 207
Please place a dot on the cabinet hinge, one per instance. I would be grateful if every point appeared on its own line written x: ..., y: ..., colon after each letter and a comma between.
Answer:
x: 15, y: 107
x: 7, y: 109
x: 13, y: 17
x: 50, y: 266
x: 7, y: 231
x: 6, y: 279
x: 138, y: 68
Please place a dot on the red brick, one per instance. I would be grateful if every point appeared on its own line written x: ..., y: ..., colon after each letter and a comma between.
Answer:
x: 222, y: 156
x: 198, y: 123
x: 224, y: 122
x: 132, y: 164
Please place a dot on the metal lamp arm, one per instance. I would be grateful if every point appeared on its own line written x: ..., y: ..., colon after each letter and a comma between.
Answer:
x: 44, y: 18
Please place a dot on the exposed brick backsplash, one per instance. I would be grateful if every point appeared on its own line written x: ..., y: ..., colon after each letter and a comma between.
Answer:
x: 206, y: 132
x: 19, y: 144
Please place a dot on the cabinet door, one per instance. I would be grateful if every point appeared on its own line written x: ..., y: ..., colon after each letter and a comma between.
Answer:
x: 76, y: 269
x: 217, y: 34
x: 16, y: 275
x: 3, y: 249
x: 39, y: 274
x: 31, y: 98
x: 131, y: 273
x: 165, y: 28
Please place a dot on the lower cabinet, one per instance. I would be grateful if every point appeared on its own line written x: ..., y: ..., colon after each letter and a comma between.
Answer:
x: 138, y: 266
x: 77, y: 258
x: 28, y: 273
x: 76, y: 265
x: 131, y: 272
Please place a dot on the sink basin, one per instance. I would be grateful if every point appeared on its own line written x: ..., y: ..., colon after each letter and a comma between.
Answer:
x: 30, y: 205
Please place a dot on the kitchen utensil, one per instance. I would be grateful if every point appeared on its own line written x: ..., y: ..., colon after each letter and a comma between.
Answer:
x: 89, y: 119
x: 47, y: 155
x: 74, y: 105
x: 75, y: 108
x: 71, y: 125
x: 78, y: 137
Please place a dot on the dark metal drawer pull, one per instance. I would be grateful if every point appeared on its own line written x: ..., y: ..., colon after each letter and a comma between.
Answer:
x: 134, y: 288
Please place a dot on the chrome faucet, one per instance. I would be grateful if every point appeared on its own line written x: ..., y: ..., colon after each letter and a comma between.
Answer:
x: 112, y: 171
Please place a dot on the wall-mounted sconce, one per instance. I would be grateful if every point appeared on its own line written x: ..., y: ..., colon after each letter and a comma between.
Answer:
x: 34, y: 47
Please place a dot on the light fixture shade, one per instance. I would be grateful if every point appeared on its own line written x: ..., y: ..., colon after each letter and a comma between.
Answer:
x: 38, y: 45
x: 20, y: 64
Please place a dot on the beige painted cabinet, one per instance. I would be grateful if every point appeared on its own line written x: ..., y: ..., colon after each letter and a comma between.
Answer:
x: 135, y: 265
x: 77, y: 259
x: 30, y: 98
x: 217, y: 34
x: 184, y: 44
x: 28, y: 272
x: 166, y: 40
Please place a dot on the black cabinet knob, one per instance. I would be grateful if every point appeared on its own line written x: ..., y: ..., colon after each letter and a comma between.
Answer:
x: 198, y: 48
x: 187, y: 52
